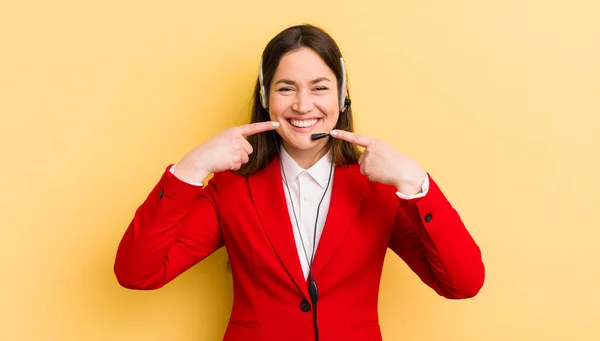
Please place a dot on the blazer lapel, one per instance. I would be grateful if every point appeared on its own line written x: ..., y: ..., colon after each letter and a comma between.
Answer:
x: 268, y: 195
x: 347, y: 194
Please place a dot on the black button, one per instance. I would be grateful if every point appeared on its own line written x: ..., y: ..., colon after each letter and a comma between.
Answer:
x: 305, y: 306
x: 428, y: 217
x: 161, y: 193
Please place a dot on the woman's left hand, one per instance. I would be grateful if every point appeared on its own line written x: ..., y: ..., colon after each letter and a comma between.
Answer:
x: 382, y: 163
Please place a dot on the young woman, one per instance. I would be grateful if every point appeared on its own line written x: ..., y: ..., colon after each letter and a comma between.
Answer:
x: 289, y: 188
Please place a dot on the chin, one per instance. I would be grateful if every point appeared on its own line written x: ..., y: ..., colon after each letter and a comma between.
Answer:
x: 300, y: 143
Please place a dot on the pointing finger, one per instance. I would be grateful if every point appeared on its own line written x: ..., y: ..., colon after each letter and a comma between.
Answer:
x: 258, y: 127
x: 357, y: 139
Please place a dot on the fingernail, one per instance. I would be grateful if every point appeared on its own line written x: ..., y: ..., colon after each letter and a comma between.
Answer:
x: 275, y: 124
x: 333, y: 133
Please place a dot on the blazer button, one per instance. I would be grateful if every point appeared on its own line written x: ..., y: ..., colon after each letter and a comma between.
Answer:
x: 161, y: 193
x: 428, y: 217
x: 305, y: 306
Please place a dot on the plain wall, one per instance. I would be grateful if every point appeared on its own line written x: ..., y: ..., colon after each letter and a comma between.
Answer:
x: 498, y: 100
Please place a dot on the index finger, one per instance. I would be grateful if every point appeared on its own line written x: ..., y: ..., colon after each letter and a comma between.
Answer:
x: 351, y: 137
x: 258, y: 127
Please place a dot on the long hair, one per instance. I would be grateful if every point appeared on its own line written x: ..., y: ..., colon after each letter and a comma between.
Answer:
x: 265, y: 144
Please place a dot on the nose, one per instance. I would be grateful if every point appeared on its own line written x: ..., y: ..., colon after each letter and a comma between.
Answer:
x: 303, y: 102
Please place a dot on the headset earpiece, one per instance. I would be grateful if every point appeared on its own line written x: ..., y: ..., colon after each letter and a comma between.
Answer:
x: 342, y: 90
x: 263, y: 94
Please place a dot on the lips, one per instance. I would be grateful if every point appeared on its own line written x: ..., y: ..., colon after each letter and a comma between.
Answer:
x: 305, y: 123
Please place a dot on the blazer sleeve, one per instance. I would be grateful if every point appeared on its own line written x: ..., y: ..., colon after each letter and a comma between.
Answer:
x: 175, y: 227
x: 429, y: 235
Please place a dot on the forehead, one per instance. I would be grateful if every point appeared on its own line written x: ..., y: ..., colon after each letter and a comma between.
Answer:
x: 303, y: 63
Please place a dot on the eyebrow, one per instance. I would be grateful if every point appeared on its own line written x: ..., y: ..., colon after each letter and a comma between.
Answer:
x: 314, y: 81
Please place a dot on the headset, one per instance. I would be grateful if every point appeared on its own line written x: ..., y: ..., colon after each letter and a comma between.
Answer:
x: 344, y: 103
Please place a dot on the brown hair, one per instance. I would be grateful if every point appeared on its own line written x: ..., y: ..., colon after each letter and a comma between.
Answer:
x: 265, y: 144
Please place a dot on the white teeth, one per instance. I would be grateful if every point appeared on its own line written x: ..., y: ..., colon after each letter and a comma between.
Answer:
x: 303, y: 123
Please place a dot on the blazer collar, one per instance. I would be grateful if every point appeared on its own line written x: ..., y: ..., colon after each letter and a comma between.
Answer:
x: 266, y: 189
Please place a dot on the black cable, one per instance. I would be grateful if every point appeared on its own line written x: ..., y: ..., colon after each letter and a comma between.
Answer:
x: 312, y: 285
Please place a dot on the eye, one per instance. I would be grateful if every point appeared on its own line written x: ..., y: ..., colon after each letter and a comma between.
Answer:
x: 285, y: 89
x: 321, y: 88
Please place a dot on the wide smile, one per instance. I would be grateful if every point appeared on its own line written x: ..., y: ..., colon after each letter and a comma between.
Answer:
x: 303, y: 125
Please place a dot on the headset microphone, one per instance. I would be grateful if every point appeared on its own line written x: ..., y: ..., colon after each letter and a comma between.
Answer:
x: 318, y: 136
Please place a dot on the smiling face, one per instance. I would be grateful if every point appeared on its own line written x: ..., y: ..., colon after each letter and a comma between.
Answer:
x: 303, y: 98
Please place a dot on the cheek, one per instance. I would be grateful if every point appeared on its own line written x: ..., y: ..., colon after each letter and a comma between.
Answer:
x: 332, y: 120
x: 331, y: 111
x: 328, y: 105
x: 275, y: 113
x: 277, y: 108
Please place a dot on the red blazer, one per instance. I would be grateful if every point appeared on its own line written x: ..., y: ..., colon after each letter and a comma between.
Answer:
x: 179, y: 225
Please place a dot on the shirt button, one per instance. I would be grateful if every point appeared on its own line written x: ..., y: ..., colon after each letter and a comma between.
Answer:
x: 305, y: 306
x: 161, y: 193
x: 304, y: 198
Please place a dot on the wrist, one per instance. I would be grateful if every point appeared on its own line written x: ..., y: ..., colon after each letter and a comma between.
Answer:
x: 409, y: 190
x: 190, y: 175
x: 411, y: 187
x: 202, y: 175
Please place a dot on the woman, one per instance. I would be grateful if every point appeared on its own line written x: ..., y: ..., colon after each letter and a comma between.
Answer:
x: 280, y: 198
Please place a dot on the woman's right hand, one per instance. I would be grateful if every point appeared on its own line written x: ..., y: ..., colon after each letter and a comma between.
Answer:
x: 227, y: 150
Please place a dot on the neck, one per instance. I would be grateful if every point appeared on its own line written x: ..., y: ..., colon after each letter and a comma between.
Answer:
x: 307, y: 158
